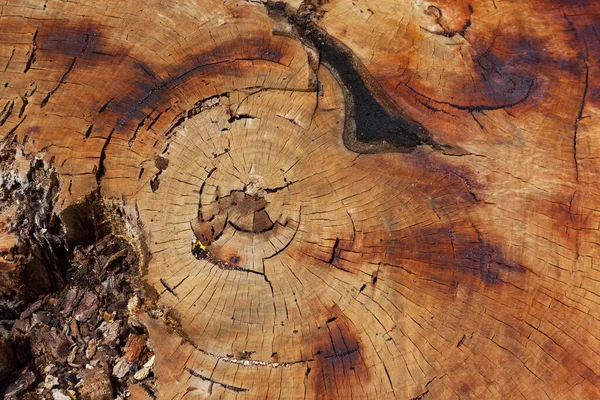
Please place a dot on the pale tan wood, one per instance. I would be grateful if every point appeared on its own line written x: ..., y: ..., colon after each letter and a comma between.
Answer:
x: 294, y: 267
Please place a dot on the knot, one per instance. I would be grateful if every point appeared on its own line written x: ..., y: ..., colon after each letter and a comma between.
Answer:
x: 446, y: 17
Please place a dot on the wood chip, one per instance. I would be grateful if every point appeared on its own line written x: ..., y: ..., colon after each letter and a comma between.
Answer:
x: 134, y: 347
x: 24, y: 382
x: 142, y: 374
x: 90, y: 349
x: 96, y: 385
x: 109, y: 317
x: 59, y: 395
x: 51, y: 342
x: 121, y: 368
x: 87, y: 307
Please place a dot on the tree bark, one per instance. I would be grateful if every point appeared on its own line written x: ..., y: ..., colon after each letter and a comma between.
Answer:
x: 329, y: 199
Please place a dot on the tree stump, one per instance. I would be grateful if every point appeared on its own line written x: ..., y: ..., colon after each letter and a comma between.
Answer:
x: 333, y: 199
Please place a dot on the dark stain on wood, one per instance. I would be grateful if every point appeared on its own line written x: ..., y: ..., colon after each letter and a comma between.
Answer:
x: 374, y: 123
x: 337, y: 364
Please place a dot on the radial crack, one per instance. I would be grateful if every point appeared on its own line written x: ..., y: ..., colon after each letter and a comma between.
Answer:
x: 62, y: 80
x: 223, y: 385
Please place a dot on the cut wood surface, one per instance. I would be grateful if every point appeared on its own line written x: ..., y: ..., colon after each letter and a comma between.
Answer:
x: 338, y: 199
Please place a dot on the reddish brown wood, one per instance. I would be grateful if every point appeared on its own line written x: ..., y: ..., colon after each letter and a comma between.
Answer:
x: 332, y: 199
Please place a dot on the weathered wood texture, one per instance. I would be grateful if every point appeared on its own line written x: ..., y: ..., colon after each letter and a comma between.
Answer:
x: 454, y: 256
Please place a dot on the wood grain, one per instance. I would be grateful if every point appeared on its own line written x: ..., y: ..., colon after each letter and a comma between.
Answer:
x: 338, y: 199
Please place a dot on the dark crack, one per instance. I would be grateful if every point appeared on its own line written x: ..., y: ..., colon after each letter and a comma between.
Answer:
x: 579, y: 116
x: 60, y: 83
x: 101, y: 168
x: 32, y: 53
x: 226, y: 386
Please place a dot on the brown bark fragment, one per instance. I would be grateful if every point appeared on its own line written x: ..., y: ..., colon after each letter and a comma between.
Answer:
x: 96, y: 385
x: 135, y: 347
